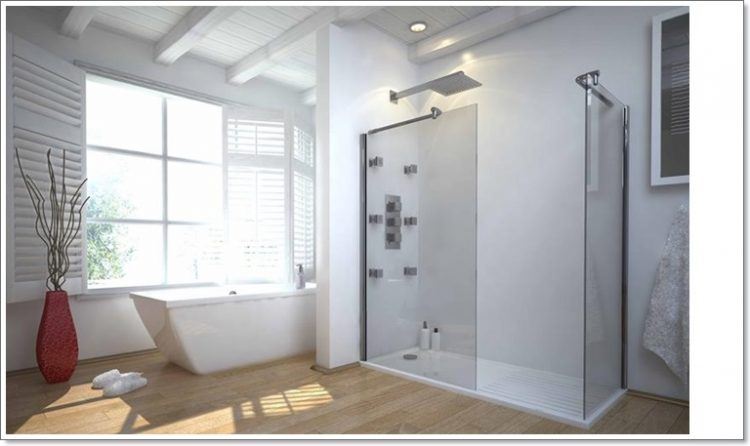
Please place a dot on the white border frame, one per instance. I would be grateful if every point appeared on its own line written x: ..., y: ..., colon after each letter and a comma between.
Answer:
x: 656, y: 178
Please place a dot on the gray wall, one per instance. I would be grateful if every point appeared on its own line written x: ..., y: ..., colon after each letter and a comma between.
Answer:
x: 530, y: 143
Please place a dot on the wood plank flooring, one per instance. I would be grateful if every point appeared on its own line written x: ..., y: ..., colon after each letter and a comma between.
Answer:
x: 286, y: 397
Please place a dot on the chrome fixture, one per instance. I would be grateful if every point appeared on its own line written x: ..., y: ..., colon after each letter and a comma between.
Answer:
x: 375, y: 218
x: 434, y: 113
x: 392, y: 222
x: 410, y: 270
x: 446, y: 86
x: 375, y: 162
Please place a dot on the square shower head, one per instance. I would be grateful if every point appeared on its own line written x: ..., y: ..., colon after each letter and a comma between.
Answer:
x: 453, y: 83
x: 446, y: 86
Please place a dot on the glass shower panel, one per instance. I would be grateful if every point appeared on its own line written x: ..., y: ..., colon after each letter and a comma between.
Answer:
x: 421, y: 247
x: 604, y: 248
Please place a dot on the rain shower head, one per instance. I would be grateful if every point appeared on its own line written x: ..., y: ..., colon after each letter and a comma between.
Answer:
x: 446, y: 86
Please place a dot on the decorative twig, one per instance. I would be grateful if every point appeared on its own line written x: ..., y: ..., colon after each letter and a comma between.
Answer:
x: 59, y: 230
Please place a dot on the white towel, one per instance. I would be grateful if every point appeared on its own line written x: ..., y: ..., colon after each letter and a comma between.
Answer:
x: 127, y: 383
x: 667, y: 323
x: 104, y: 379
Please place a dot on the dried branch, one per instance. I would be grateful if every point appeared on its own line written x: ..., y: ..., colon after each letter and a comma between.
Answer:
x: 59, y: 230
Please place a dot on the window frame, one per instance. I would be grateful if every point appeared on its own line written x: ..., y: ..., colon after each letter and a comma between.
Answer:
x: 287, y: 162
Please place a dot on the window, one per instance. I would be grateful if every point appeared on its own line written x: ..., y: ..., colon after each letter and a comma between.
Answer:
x: 169, y: 205
x: 303, y: 166
x: 256, y: 191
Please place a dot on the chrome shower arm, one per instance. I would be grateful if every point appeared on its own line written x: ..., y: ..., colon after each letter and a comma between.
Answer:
x: 434, y: 113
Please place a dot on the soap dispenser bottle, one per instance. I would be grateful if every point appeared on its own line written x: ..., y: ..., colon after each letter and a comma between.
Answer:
x: 435, y: 341
x: 299, y: 281
x: 424, y: 337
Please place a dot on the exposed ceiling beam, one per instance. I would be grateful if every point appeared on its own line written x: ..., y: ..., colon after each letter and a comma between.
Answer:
x: 478, y: 29
x: 291, y: 40
x: 309, y: 96
x: 76, y: 20
x: 288, y: 42
x: 198, y: 22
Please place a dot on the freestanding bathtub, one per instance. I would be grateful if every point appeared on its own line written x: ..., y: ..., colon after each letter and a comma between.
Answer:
x: 207, y: 329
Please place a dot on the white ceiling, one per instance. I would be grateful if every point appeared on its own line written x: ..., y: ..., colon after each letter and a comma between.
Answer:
x: 395, y: 20
x: 253, y: 27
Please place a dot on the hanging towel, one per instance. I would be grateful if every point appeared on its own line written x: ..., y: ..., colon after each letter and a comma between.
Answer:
x: 667, y: 329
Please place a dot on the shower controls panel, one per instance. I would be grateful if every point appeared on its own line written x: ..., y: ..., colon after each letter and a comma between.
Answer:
x: 392, y: 222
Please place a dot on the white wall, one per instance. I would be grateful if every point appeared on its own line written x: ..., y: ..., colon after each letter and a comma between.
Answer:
x: 353, y: 87
x: 110, y: 325
x: 530, y: 182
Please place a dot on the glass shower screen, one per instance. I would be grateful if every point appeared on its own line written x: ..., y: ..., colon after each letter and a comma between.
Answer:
x: 420, y: 257
x: 606, y: 143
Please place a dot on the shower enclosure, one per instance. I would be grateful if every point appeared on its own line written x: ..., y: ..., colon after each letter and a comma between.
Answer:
x: 419, y: 265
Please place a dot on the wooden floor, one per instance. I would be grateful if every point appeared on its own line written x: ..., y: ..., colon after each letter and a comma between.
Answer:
x: 286, y: 397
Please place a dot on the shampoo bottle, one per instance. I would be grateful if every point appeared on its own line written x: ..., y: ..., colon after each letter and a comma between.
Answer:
x: 435, y: 340
x: 299, y: 281
x: 424, y: 337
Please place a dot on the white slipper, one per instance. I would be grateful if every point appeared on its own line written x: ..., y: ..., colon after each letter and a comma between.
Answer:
x: 104, y: 379
x: 127, y: 383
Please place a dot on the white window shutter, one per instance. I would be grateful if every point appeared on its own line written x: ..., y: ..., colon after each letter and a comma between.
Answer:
x: 303, y: 201
x: 46, y: 109
x: 256, y: 196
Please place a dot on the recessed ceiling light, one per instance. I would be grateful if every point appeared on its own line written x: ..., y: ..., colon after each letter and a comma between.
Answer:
x: 418, y: 27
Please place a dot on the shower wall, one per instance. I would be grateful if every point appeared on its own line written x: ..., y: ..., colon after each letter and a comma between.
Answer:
x: 447, y: 229
x: 530, y: 202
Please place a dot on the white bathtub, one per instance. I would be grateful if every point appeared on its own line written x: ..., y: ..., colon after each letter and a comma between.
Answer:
x: 207, y: 330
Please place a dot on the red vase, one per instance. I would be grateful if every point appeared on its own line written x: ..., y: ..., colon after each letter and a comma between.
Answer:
x: 56, y: 341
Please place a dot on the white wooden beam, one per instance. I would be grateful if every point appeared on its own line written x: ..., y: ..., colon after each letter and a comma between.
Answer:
x: 291, y: 40
x: 288, y: 42
x: 76, y: 20
x: 309, y: 96
x: 478, y: 29
x: 198, y: 22
x: 351, y: 14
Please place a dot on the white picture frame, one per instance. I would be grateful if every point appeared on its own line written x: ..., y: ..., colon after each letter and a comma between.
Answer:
x: 656, y: 75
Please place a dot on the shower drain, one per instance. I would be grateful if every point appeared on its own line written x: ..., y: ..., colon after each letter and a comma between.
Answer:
x: 410, y: 356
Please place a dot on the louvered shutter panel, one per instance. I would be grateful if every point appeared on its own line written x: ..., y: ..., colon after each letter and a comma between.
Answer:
x: 303, y: 201
x: 256, y: 197
x: 45, y: 110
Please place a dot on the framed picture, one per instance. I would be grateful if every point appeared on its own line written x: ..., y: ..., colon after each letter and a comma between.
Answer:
x: 670, y: 98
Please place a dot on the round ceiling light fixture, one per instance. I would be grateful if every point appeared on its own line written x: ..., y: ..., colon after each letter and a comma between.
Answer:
x: 418, y: 27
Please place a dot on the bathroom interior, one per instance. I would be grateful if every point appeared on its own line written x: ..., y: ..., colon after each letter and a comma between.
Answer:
x: 365, y: 219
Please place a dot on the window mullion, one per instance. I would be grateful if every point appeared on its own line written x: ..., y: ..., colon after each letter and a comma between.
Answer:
x: 165, y: 198
x: 288, y: 191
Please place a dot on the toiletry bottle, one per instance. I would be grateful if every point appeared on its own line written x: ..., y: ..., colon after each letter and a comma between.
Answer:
x: 299, y: 281
x: 424, y: 337
x: 435, y: 341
